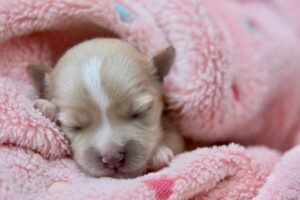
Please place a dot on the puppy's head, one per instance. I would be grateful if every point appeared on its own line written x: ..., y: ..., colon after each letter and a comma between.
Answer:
x: 109, y: 101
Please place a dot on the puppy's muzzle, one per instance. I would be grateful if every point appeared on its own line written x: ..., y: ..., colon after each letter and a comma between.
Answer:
x: 114, y: 161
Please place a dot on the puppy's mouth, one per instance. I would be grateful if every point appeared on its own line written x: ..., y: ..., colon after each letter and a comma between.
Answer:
x: 121, y: 172
x: 134, y: 163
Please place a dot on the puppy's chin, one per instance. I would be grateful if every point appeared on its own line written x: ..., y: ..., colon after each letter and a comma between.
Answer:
x: 136, y: 162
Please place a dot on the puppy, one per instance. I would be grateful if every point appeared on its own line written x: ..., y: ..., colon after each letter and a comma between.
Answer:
x: 107, y: 97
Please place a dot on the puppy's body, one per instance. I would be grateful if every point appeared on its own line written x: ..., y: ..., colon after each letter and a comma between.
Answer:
x: 107, y: 97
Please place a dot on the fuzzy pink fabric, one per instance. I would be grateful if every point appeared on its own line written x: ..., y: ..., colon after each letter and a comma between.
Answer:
x: 235, y: 79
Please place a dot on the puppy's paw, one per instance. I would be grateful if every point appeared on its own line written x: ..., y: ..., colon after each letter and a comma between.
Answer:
x: 161, y: 159
x: 47, y: 108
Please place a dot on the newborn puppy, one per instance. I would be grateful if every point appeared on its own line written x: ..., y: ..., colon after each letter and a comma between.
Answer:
x: 107, y: 97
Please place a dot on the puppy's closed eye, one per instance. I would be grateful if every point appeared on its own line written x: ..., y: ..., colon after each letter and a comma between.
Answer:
x: 74, y: 129
x: 73, y: 122
x: 70, y: 128
x: 139, y: 114
x: 141, y: 107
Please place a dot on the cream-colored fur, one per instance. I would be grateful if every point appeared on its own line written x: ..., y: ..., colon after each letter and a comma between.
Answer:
x: 107, y: 97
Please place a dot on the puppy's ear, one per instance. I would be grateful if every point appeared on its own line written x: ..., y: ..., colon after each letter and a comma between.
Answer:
x: 38, y: 74
x: 163, y: 61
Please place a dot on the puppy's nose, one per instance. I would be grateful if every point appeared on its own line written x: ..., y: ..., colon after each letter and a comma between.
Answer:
x: 113, y: 161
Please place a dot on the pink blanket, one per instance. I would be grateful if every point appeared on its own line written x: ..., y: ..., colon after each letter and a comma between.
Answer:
x: 235, y: 78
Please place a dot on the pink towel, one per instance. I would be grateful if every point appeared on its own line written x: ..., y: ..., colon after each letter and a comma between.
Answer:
x: 235, y: 79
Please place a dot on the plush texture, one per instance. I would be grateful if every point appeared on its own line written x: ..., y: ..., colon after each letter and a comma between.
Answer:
x: 235, y: 78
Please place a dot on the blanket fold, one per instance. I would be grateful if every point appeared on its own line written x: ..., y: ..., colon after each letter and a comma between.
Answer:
x: 229, y: 171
